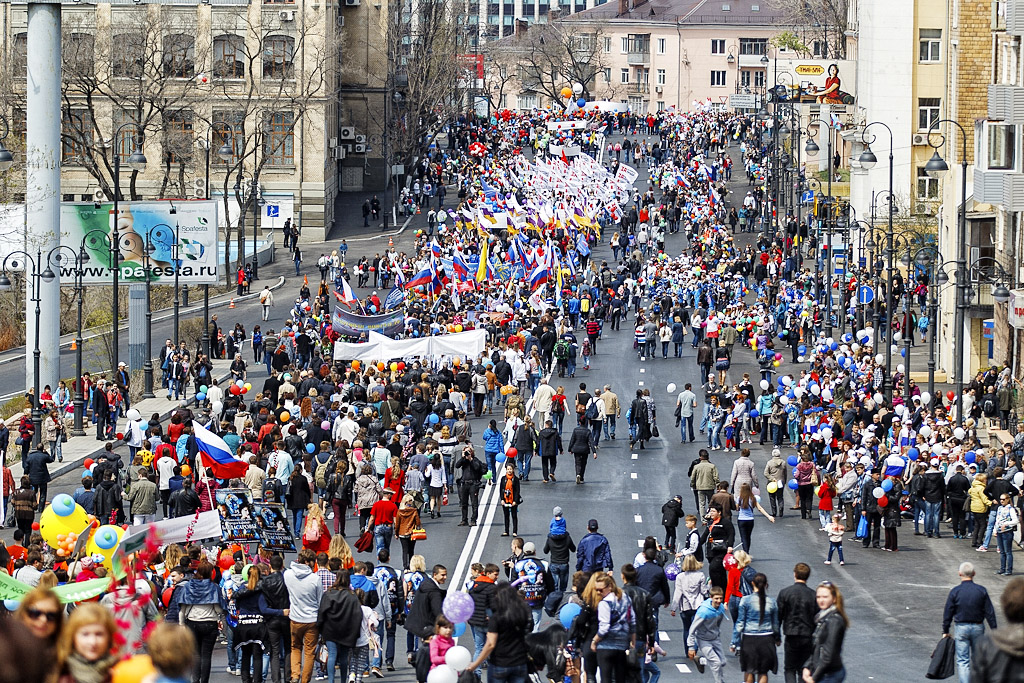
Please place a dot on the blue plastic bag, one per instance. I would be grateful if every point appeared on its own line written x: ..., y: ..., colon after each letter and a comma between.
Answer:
x: 862, y: 527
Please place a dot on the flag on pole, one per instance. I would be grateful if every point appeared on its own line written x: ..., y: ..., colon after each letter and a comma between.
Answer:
x: 346, y: 295
x: 216, y: 455
x: 481, y: 271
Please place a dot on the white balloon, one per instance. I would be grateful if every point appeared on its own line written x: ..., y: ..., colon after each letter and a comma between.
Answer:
x: 878, y: 398
x: 895, y: 349
x: 800, y: 359
x: 926, y: 398
x: 900, y: 410
x: 765, y: 384
x: 901, y: 368
x: 827, y: 394
x: 577, y: 88
x: 799, y: 392
x: 443, y: 674
x: 826, y: 432
x: 879, y: 359
x: 815, y: 390
x: 937, y: 449
x: 1018, y: 479
x: 925, y: 431
x: 877, y: 492
x: 671, y: 388
x: 217, y: 407
x: 897, y: 336
x: 133, y: 414
x: 458, y: 658
x: 959, y: 433
x: 787, y: 381
x: 783, y: 400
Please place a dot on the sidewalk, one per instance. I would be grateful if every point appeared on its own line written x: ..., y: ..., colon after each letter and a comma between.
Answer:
x: 78, y: 448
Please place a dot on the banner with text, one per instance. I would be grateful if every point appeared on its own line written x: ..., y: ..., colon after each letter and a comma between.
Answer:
x: 352, y: 324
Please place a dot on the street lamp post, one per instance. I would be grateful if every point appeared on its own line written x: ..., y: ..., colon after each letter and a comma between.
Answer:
x: 935, y: 167
x: 157, y: 234
x: 226, y: 152
x: 21, y: 260
x: 137, y: 162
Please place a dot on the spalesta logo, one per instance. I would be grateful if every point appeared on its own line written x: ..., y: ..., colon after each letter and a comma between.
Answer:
x: 202, y: 220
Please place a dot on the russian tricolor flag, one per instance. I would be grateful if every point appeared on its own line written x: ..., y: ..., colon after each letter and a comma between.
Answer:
x: 216, y: 455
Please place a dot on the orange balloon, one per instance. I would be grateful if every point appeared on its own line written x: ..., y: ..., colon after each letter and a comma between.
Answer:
x: 285, y: 416
x: 132, y: 670
x: 380, y: 366
x: 185, y: 470
x: 355, y: 365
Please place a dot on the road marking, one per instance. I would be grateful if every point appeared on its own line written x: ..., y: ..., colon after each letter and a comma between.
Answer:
x: 632, y: 475
x: 641, y: 382
x: 683, y: 669
x: 635, y: 496
x: 639, y: 543
x: 635, y: 456
x: 643, y: 369
x: 663, y: 636
x: 638, y: 519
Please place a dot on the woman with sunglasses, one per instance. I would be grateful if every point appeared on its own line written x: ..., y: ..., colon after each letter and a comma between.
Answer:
x: 825, y: 665
x: 1007, y: 520
x: 42, y: 615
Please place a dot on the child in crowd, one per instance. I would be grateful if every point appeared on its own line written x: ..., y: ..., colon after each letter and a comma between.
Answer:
x: 835, y: 539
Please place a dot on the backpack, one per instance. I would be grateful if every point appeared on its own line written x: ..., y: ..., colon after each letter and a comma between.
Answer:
x: 320, y: 473
x: 531, y: 572
x: 388, y: 578
x: 591, y: 413
x: 561, y: 351
x: 988, y: 406
x: 312, y: 533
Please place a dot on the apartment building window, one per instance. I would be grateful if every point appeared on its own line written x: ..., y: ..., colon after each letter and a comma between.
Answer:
x: 279, y: 138
x: 927, y: 187
x: 752, y: 78
x: 128, y: 60
x: 608, y: 75
x: 179, y: 55
x: 661, y: 77
x: 229, y: 56
x: 607, y: 44
x: 753, y: 46
x: 526, y: 102
x: 819, y: 49
x: 80, y: 53
x: 229, y: 127
x: 625, y: 44
x: 178, y: 140
x: 930, y: 42
x: 623, y: 75
x: 1002, y: 142
x: 661, y: 46
x: 661, y: 105
x: 927, y: 111
x: 759, y: 79
x: 128, y: 139
x: 718, y: 46
x: 278, y: 57
x: 718, y: 79
x: 76, y: 135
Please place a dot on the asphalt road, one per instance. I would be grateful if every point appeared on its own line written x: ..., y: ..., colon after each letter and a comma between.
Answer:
x: 894, y: 600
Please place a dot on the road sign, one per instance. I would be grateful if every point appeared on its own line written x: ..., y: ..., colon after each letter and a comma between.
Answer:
x: 743, y: 101
x: 273, y: 211
x: 865, y: 294
x: 807, y: 197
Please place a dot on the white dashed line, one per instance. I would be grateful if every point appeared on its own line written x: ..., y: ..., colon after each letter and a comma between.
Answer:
x: 632, y: 475
x: 639, y: 543
x: 683, y: 669
x: 641, y: 382
x: 635, y: 496
x: 643, y: 369
x: 663, y: 636
x: 635, y: 456
x: 638, y: 519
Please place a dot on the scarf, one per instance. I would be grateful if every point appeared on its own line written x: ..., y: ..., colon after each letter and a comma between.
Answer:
x: 90, y: 672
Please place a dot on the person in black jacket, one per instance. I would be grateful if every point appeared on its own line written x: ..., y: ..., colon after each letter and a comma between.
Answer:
x: 870, y: 511
x: 186, y: 500
x: 338, y: 622
x: 38, y: 473
x: 826, y: 662
x: 427, y: 605
x: 671, y: 513
x: 470, y: 481
x: 999, y: 655
x: 482, y: 591
x: 550, y: 444
x: 278, y: 627
x: 796, y: 614
x: 957, y: 492
x: 645, y: 613
x: 581, y: 444
x: 557, y: 547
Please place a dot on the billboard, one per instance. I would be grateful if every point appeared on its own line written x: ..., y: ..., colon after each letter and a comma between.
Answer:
x: 813, y: 81
x: 184, y: 242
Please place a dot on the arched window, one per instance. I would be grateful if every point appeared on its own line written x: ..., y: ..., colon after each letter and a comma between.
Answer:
x: 278, y: 57
x: 179, y: 56
x: 229, y: 56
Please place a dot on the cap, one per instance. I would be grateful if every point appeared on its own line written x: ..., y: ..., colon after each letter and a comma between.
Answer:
x: 592, y: 525
x: 557, y: 511
x: 934, y: 462
x: 122, y: 364
x: 529, y: 548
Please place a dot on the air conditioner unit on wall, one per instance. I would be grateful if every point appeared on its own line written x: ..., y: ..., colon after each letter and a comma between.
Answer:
x: 361, y: 139
x: 657, y: 88
x: 199, y: 188
x: 333, y: 143
x: 360, y: 149
x: 338, y: 153
x: 920, y: 139
x: 351, y: 3
x: 347, y: 133
x: 287, y: 15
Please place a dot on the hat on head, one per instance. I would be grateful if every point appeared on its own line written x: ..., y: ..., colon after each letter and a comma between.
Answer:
x: 557, y: 511
x: 529, y: 548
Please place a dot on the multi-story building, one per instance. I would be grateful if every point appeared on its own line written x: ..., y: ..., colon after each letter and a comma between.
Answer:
x: 259, y: 76
x: 655, y: 56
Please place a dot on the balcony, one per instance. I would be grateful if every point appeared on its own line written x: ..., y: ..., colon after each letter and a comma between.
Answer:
x: 1002, y: 188
x: 1015, y: 17
x: 639, y: 88
x: 638, y: 58
x: 1006, y: 103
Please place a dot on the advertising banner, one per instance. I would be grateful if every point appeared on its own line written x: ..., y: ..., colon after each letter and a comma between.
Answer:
x: 1015, y: 311
x: 184, y: 242
x: 352, y: 324
x: 815, y: 81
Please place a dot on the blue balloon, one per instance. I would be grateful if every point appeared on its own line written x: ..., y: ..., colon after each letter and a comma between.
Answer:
x: 903, y: 352
x: 459, y: 629
x: 11, y: 605
x: 793, y: 485
x: 971, y: 457
x: 200, y: 396
x: 106, y: 539
x: 581, y: 103
x: 433, y: 419
x: 887, y: 485
x: 86, y: 473
x: 310, y: 448
x: 834, y: 346
x: 500, y: 457
x: 802, y: 350
x: 754, y: 414
x: 913, y: 453
x: 569, y: 611
x: 793, y: 461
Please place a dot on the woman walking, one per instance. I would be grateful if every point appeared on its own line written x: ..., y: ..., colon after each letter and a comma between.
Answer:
x: 616, y: 630
x: 510, y: 498
x: 756, y: 633
x: 805, y: 474
x: 746, y: 505
x: 407, y: 521
x: 202, y: 606
x: 251, y: 632
x: 825, y: 664
x: 980, y: 504
x: 691, y: 589
x: 1007, y: 520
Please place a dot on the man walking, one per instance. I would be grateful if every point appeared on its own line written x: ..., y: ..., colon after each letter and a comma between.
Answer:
x: 304, y: 593
x: 612, y: 410
x: 797, y: 608
x: 704, y: 480
x: 969, y: 605
x: 704, y: 643
x: 266, y: 301
x: 593, y: 553
x: 470, y: 480
x: 685, y: 405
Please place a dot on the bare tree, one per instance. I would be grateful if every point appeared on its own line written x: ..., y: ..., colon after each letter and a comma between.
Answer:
x: 500, y: 70
x: 825, y: 21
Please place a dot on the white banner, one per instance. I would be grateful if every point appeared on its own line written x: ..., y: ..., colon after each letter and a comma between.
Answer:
x: 1015, y: 310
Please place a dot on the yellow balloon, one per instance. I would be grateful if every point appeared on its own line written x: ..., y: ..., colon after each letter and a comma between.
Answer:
x: 104, y: 542
x: 772, y: 487
x: 566, y: 92
x: 458, y: 328
x: 132, y: 670
x: 776, y: 363
x: 52, y: 525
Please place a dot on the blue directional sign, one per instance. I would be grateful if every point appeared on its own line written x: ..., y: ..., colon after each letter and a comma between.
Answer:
x: 865, y: 294
x: 807, y: 197
x: 273, y: 211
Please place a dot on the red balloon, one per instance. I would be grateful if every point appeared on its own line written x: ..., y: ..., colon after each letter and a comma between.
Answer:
x: 235, y: 390
x: 401, y: 365
x: 120, y: 436
x: 883, y: 501
x: 511, y: 453
x: 89, y: 462
x: 35, y: 526
x: 950, y: 395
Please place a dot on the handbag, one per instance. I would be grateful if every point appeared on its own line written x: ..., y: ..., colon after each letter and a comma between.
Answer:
x: 418, y: 534
x: 654, y: 430
x: 966, y: 507
x: 943, y: 661
x: 364, y: 542
x: 862, y: 527
x: 19, y: 441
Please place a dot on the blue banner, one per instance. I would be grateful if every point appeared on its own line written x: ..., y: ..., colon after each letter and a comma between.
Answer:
x: 353, y: 324
x: 394, y: 299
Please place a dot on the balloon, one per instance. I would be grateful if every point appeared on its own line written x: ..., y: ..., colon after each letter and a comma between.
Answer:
x: 826, y: 432
x: 815, y: 389
x: 458, y: 658
x: 325, y: 425
x: 203, y: 389
x: 120, y: 436
x: 355, y: 365
x: 883, y: 501
x: 433, y: 418
x: 217, y: 407
x: 926, y: 398
x: 671, y: 388
x: 393, y: 366
x: 185, y: 470
x: 458, y: 630
x: 764, y: 384
x: 878, y: 398
x: 202, y: 397
x: 793, y: 461
x: 754, y: 414
x: 772, y: 487
x: 729, y: 561
x: 959, y: 433
x: 133, y: 670
x: 950, y: 395
x: 793, y: 485
x: 511, y: 453
x: 89, y: 462
x: 971, y: 457
x: 1018, y: 479
x: 104, y: 542
x: 458, y: 607
x: 925, y: 431
x: 310, y: 448
x: 239, y: 383
x: 285, y: 416
x: 879, y: 359
x: 247, y: 387
x: 776, y: 363
x: 487, y: 474
x: 901, y: 368
x: 401, y: 366
x: 581, y: 102
x: 12, y: 605
x: 569, y: 611
x: 566, y: 92
x: 133, y: 414
x: 380, y: 366
x: 53, y: 524
x: 63, y: 505
x: 577, y: 89
x: 878, y: 492
x: 672, y: 571
x: 499, y: 458
x: 887, y: 485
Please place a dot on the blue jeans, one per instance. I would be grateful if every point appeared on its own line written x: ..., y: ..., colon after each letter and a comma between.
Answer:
x: 479, y: 640
x: 991, y: 526
x: 299, y: 516
x: 492, y: 464
x: 506, y: 674
x: 382, y: 534
x: 560, y: 574
x: 834, y: 677
x: 523, y: 461
x: 704, y: 417
x: 649, y: 671
x: 931, y: 518
x: 966, y: 635
x: 337, y: 656
x: 268, y: 357
x: 609, y: 426
x: 1005, y: 540
x: 686, y: 425
x: 714, y: 431
x: 919, y: 516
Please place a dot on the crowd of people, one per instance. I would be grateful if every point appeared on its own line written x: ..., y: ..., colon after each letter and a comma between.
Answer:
x: 371, y: 450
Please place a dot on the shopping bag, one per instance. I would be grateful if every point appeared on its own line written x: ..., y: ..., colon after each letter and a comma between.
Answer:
x: 943, y: 661
x: 862, y: 527
x: 364, y: 542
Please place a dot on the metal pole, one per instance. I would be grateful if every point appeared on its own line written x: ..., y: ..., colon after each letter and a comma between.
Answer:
x: 205, y: 340
x: 115, y: 253
x: 959, y: 352
x: 828, y: 239
x: 79, y: 400
x: 933, y: 306
x: 37, y: 418
x: 177, y: 302
x: 907, y: 331
x: 147, y: 366
x: 255, y: 217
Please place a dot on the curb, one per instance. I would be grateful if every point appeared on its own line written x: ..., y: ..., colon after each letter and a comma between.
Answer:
x: 370, y: 238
